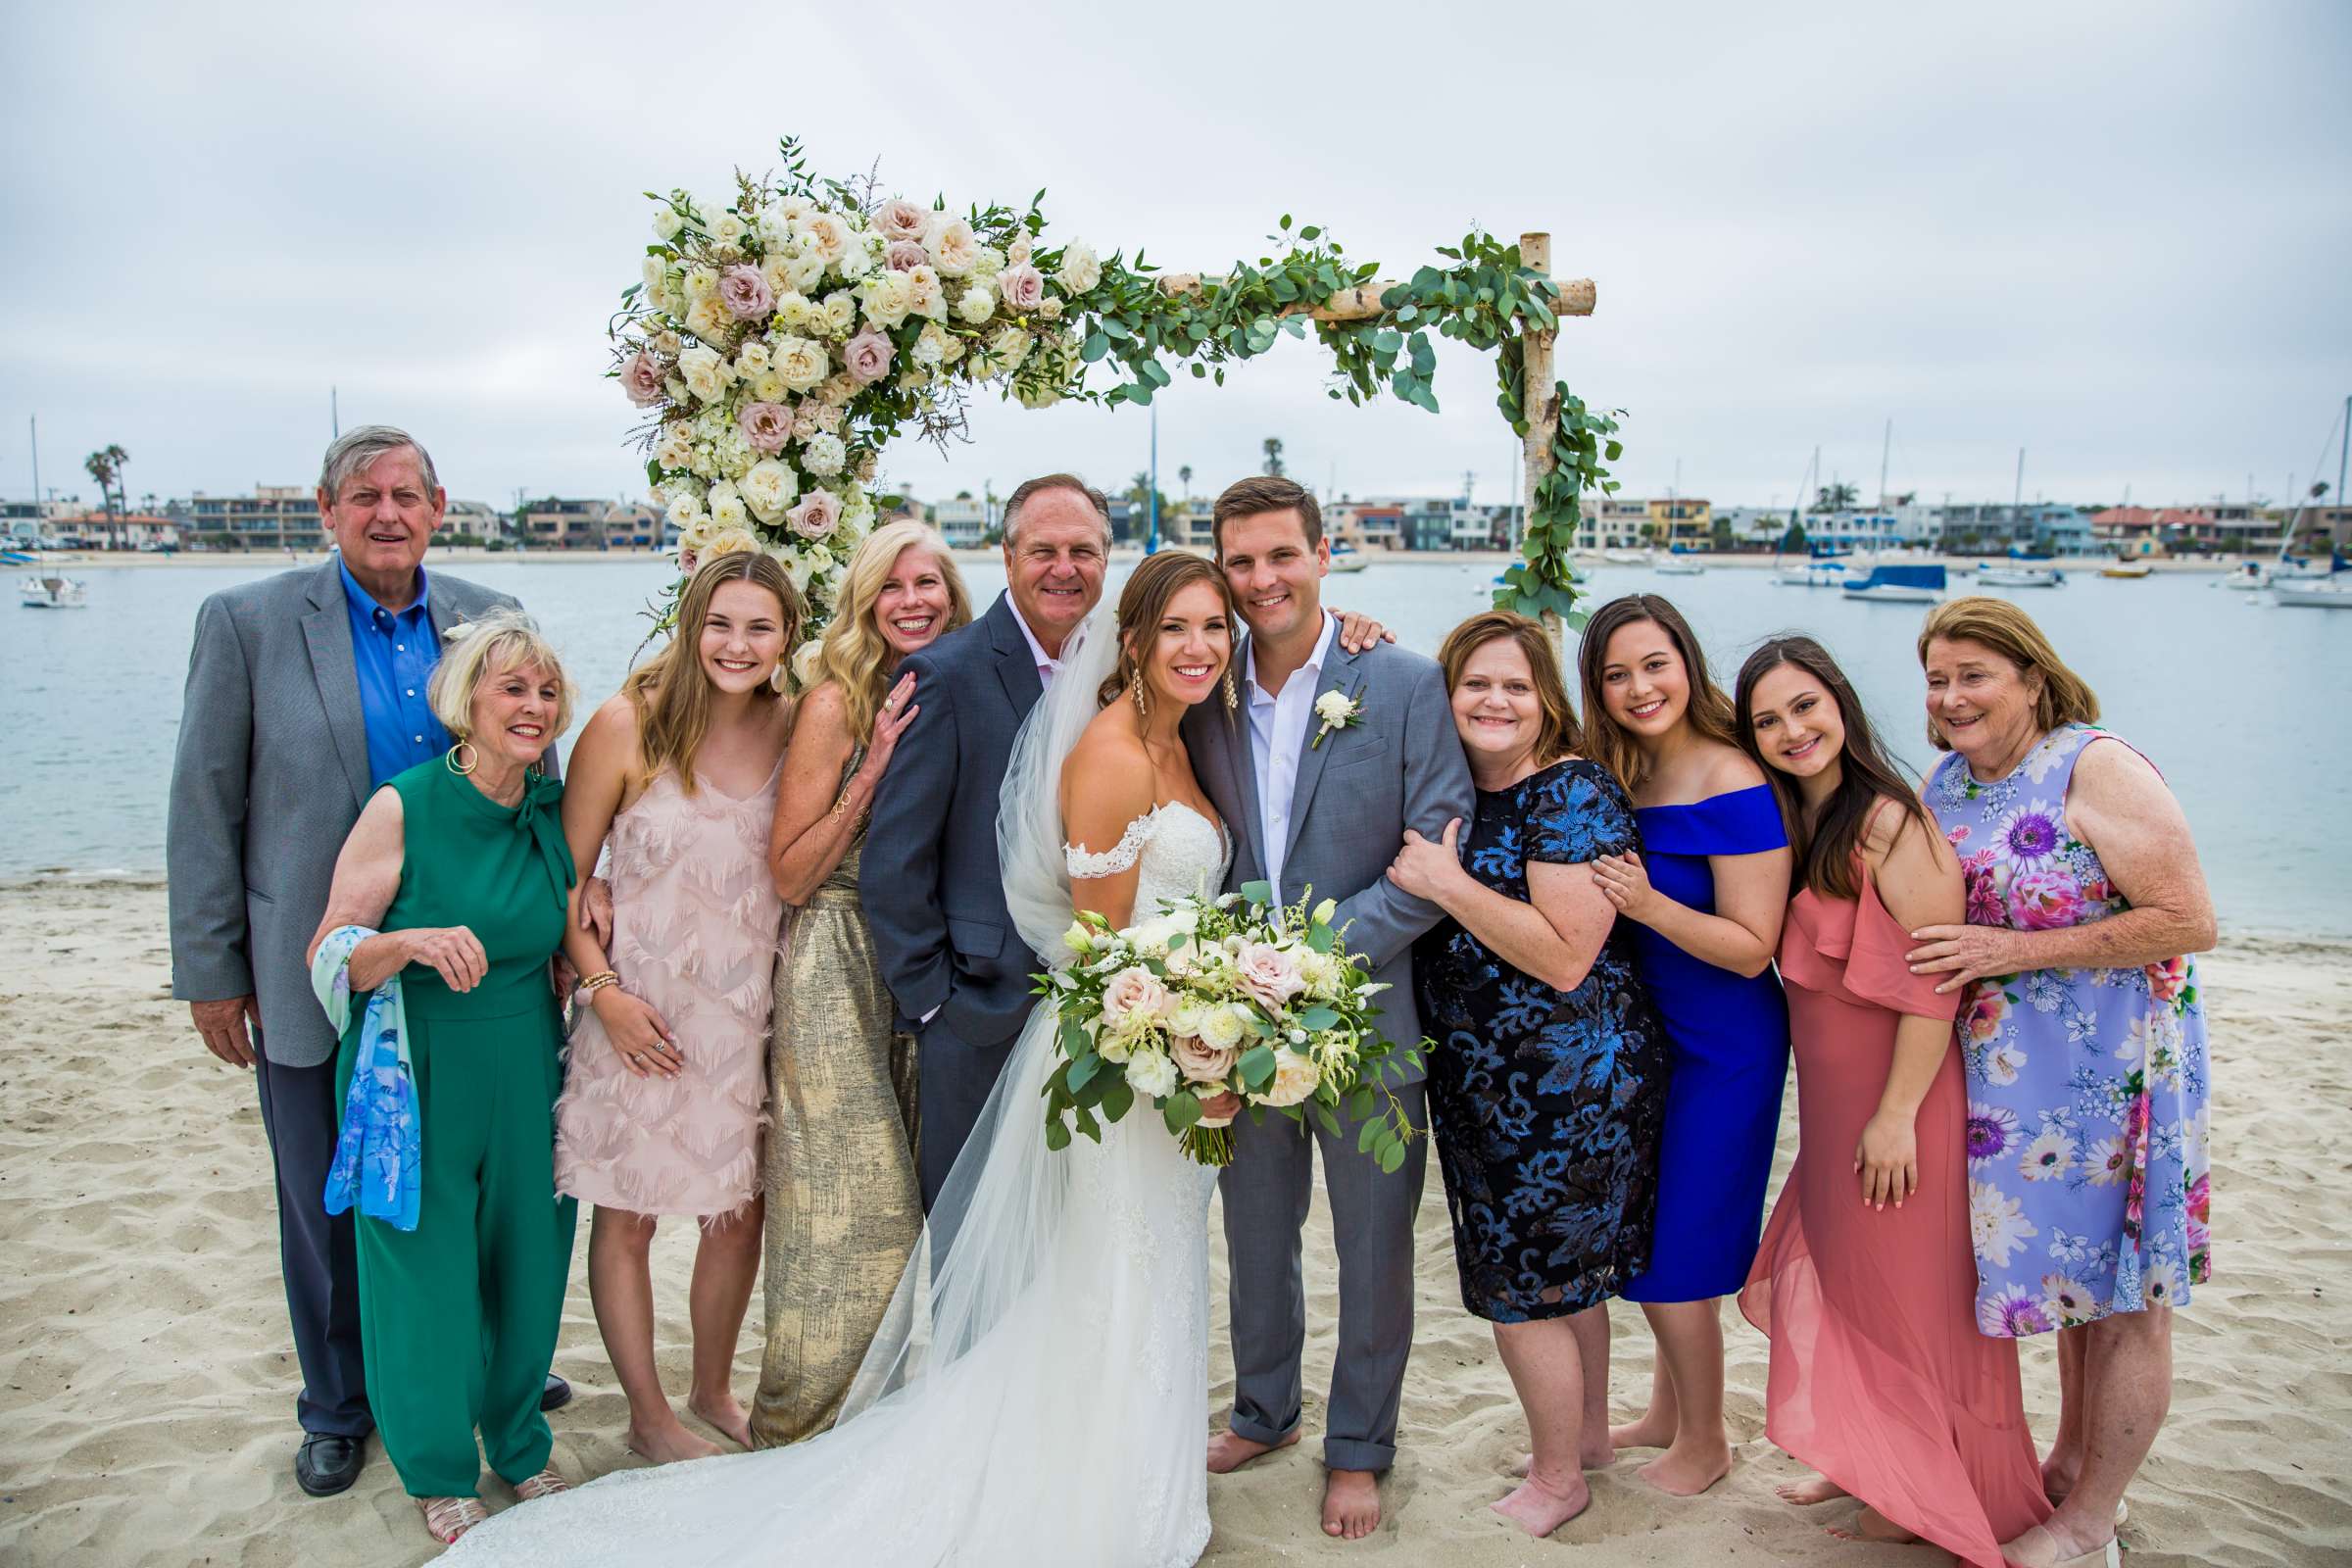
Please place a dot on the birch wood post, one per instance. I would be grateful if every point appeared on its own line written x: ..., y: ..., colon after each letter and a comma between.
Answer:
x: 1542, y: 408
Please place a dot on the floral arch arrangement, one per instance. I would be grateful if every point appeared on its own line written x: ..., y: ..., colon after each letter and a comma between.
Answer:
x: 783, y: 334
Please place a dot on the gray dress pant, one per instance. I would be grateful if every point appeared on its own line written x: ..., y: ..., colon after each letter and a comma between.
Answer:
x: 316, y: 1250
x: 1266, y: 1190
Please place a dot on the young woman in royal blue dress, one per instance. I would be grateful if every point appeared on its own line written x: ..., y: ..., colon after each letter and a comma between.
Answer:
x: 1706, y: 894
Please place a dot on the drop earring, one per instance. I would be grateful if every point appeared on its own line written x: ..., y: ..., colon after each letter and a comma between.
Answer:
x: 1135, y: 689
x: 1233, y: 695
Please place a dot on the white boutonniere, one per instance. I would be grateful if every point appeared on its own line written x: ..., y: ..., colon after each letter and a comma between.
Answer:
x: 1338, y: 711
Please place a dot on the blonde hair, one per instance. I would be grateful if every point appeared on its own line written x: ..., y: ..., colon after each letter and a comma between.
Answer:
x: 854, y: 655
x: 673, y: 715
x: 504, y: 639
x: 2065, y: 698
x: 1559, y: 734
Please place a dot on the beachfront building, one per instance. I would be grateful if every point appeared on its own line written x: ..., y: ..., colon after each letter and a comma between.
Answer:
x: 1985, y: 528
x: 2222, y: 528
x: 963, y: 519
x: 1683, y: 521
x: 135, y: 530
x: 1368, y: 524
x: 1611, y: 522
x: 472, y: 522
x: 637, y: 525
x: 273, y: 517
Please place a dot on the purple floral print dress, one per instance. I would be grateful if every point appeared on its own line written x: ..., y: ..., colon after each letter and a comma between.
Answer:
x: 2088, y: 1191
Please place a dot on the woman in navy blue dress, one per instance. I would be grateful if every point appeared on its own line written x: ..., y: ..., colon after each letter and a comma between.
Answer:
x: 1547, y: 1093
x: 1706, y: 893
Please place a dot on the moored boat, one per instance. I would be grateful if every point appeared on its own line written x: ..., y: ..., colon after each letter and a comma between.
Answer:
x: 2127, y: 570
x: 52, y: 591
x: 2312, y: 595
x: 1907, y: 583
x: 1346, y: 558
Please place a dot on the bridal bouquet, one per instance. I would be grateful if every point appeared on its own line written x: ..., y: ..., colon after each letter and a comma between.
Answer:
x: 1209, y: 995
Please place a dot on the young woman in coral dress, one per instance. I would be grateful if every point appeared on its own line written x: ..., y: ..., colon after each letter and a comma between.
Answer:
x: 1865, y: 1280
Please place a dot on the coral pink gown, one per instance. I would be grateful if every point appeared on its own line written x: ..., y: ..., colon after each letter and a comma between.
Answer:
x: 1880, y: 1378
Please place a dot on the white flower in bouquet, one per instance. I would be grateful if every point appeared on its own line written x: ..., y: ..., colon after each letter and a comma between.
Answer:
x: 987, y: 263
x: 1133, y: 991
x: 1187, y: 1017
x: 687, y: 517
x: 1200, y: 1062
x: 773, y: 230
x: 840, y: 312
x: 770, y: 387
x: 926, y: 294
x: 1048, y: 309
x: 1017, y: 253
x: 1268, y: 973
x: 805, y: 660
x: 793, y: 312
x: 824, y: 455
x: 776, y: 269
x: 706, y: 375
x: 826, y: 235
x: 709, y: 318
x: 1150, y: 1072
x: 930, y: 349
x: 655, y: 272
x: 829, y: 416
x: 801, y: 571
x: 727, y: 511
x: 1078, y: 938
x: 977, y: 303
x: 1081, y: 269
x: 885, y: 299
x: 700, y: 282
x: 1009, y: 348
x: 675, y: 448
x: 730, y: 542
x: 1223, y: 1027
x: 1321, y: 972
x: 752, y: 358
x: 1295, y: 1078
x: 854, y: 264
x: 727, y: 229
x: 667, y: 343
x: 667, y: 223
x: 953, y: 247
x: 767, y: 488
x: 804, y: 267
x: 801, y: 361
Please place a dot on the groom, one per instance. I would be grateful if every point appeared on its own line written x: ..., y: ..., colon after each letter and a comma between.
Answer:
x: 1324, y: 806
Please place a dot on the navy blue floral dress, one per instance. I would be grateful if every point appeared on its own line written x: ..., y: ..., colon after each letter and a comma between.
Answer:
x: 1548, y: 1105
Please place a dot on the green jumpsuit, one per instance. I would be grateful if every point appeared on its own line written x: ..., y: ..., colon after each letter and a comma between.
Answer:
x: 457, y: 1317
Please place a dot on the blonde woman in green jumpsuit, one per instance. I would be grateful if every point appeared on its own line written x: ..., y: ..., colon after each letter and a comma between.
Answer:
x: 459, y: 868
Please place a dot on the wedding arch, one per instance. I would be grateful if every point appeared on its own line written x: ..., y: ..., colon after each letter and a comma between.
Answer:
x: 786, y: 331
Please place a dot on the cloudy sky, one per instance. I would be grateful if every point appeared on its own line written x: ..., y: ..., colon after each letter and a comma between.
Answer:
x: 2114, y: 235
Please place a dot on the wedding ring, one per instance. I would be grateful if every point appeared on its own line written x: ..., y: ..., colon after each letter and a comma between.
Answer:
x: 890, y: 705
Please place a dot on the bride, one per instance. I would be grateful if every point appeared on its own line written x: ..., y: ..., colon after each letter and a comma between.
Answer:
x: 1039, y: 1389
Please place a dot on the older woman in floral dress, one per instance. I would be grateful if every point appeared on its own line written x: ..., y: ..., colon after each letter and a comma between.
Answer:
x: 2084, y: 1041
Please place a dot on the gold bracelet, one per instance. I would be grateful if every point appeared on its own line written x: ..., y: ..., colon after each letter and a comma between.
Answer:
x: 590, y: 984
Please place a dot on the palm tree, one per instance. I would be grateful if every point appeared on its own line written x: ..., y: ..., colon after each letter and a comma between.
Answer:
x: 1184, y: 477
x: 106, y: 466
x: 1273, y: 447
x: 1836, y: 497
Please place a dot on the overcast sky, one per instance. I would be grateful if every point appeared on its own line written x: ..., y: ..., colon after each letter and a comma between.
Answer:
x: 2115, y: 235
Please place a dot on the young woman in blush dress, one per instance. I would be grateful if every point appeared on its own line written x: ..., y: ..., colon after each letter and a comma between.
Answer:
x: 661, y: 1109
x: 1866, y: 1280
x: 1706, y: 893
x: 844, y: 1202
x: 1547, y: 1089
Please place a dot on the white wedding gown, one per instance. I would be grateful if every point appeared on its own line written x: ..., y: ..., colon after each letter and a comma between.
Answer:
x: 1042, y: 1399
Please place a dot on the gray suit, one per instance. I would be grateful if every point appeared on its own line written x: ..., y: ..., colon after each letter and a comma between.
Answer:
x: 933, y: 893
x: 270, y: 774
x: 1357, y: 792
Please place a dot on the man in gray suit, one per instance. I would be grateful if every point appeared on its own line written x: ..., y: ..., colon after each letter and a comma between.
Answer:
x: 306, y: 691
x: 932, y: 889
x: 1324, y: 806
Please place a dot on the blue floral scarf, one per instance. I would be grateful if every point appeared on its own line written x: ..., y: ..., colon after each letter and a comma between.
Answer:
x: 379, y: 1155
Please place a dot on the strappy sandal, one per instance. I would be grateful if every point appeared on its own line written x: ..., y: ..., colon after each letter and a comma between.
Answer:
x: 448, y: 1518
x: 546, y: 1484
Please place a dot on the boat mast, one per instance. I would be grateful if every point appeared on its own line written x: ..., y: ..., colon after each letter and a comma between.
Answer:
x: 34, y: 421
x: 1885, y: 446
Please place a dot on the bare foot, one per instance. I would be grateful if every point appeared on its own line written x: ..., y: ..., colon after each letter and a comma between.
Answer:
x: 1600, y: 1458
x: 1350, y: 1504
x: 1647, y: 1432
x: 1538, y: 1510
x: 666, y: 1444
x: 1872, y: 1525
x: 727, y: 1414
x: 1688, y: 1468
x: 1808, y: 1491
x: 1229, y: 1450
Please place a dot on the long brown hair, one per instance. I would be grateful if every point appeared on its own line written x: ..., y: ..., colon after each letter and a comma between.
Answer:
x: 1611, y: 743
x: 1825, y: 848
x: 2066, y: 698
x: 669, y: 693
x: 1559, y: 734
x: 1144, y: 599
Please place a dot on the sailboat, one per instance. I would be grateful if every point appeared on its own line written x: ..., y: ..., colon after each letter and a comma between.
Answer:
x: 2024, y: 568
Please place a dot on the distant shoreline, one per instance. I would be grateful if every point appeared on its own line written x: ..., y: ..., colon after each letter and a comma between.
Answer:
x: 474, y: 555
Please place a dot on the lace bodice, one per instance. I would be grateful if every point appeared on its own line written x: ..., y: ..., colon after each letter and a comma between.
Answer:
x: 1181, y: 853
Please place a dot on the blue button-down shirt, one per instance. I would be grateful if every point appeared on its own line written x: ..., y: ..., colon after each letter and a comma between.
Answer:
x: 395, y: 654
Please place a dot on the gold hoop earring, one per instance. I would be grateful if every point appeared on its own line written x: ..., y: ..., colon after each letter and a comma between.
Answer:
x: 464, y: 765
x: 1135, y: 689
x: 1233, y: 695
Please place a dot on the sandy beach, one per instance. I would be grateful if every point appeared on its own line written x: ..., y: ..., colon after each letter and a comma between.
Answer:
x: 146, y: 1411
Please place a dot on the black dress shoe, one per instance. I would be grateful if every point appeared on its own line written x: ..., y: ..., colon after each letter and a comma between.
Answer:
x: 557, y: 1396
x: 327, y: 1462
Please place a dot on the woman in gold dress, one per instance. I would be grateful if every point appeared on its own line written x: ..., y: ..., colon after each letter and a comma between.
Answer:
x: 844, y: 1207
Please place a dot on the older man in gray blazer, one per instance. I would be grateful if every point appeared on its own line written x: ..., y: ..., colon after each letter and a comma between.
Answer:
x: 933, y: 891
x: 1321, y: 804
x: 306, y: 691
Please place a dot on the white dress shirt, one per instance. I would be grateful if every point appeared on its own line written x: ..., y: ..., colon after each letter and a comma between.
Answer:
x: 1277, y: 741
x: 1047, y: 667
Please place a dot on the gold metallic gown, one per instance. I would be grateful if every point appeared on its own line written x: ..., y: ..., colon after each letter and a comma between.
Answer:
x: 844, y: 1207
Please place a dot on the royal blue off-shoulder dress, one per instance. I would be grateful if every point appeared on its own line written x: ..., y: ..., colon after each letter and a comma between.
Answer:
x: 1730, y: 1039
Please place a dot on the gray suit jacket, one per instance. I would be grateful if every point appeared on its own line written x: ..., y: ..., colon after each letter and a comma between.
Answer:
x: 270, y: 774
x: 933, y: 894
x: 1401, y: 767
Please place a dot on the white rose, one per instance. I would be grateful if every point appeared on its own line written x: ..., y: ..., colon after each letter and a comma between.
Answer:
x: 926, y: 294
x: 977, y: 303
x: 752, y: 359
x: 1187, y: 1018
x: 770, y: 387
x: 768, y: 487
x: 776, y: 273
x: 826, y: 235
x: 705, y: 373
x: 1222, y: 1029
x: 1017, y: 253
x: 686, y: 515
x: 887, y: 299
x: 1150, y: 1072
x: 1080, y: 270
x: 953, y: 247
x: 1113, y: 1046
x: 727, y: 231
x: 655, y: 273
x: 710, y: 319
x: 700, y: 282
x: 1295, y: 1078
x: 805, y: 659
x: 675, y: 448
x: 802, y: 363
x: 824, y: 455
x: 1335, y: 707
x: 803, y: 269
x: 1009, y: 348
x: 727, y: 511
